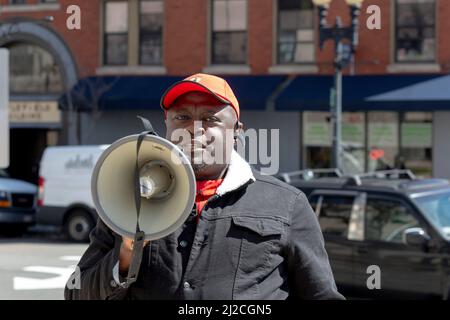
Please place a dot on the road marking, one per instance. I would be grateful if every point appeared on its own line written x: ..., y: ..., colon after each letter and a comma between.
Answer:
x: 70, y: 258
x: 57, y: 282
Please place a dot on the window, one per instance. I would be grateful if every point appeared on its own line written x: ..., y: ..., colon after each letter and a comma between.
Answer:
x: 229, y: 32
x: 416, y: 141
x: 386, y: 220
x: 415, y: 31
x: 389, y: 140
x: 295, y: 31
x: 317, y: 139
x: 334, y: 216
x: 383, y: 140
x: 150, y: 32
x: 116, y: 33
x: 33, y: 70
x: 18, y: 1
x: 436, y: 207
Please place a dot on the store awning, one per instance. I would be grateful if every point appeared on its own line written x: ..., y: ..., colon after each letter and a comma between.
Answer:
x: 364, y: 93
x: 144, y: 92
x: 117, y: 92
x: 435, y: 92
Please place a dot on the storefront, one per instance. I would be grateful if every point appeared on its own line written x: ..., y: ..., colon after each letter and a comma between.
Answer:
x: 35, y: 120
x: 389, y: 122
x: 34, y: 126
x: 41, y: 68
x: 380, y: 131
x: 373, y: 140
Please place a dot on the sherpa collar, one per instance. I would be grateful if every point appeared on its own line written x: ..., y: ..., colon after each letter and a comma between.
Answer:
x: 238, y: 174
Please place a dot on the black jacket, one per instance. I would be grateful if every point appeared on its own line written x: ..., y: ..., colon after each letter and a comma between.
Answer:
x: 258, y: 238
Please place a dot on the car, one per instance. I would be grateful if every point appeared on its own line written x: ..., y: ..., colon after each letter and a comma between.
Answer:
x: 65, y: 200
x: 17, y: 204
x: 386, y: 222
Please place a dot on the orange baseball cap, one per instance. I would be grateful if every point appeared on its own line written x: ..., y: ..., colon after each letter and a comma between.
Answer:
x: 201, y: 82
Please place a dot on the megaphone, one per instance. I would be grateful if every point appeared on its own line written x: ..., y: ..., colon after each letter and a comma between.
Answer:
x: 165, y: 190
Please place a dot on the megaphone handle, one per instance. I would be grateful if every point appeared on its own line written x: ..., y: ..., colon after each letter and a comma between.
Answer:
x: 136, y: 258
x: 147, y: 125
x: 139, y: 237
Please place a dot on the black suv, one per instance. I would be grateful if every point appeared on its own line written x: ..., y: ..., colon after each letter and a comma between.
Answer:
x: 386, y: 219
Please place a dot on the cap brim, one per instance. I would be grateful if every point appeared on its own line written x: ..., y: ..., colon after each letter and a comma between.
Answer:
x: 182, y: 87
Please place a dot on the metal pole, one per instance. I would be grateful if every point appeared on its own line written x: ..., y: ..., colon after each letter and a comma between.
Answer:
x: 336, y: 110
x: 337, y: 118
x: 4, y: 108
x: 342, y: 58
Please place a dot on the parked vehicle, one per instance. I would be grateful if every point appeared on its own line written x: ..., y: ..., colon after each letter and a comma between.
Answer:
x: 65, y: 189
x: 17, y: 204
x: 386, y: 219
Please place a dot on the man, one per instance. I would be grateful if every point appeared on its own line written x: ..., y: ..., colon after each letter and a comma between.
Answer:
x: 248, y: 237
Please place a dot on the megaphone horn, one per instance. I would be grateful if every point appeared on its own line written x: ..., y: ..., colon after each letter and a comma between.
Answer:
x: 166, y: 188
x: 143, y: 188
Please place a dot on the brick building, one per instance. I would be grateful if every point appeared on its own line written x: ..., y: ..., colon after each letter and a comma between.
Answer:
x: 396, y: 109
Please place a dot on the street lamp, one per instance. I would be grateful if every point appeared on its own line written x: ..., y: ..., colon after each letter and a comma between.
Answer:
x: 343, y: 54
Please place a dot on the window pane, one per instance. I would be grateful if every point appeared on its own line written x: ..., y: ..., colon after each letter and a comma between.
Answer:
x: 317, y: 139
x: 415, y: 30
x: 288, y: 20
x: 436, y: 207
x: 383, y: 137
x: 353, y: 142
x: 416, y: 142
x: 151, y: 18
x: 116, y: 17
x: 151, y: 25
x: 415, y: 44
x: 286, y: 47
x: 305, y: 35
x: 229, y: 47
x: 304, y: 52
x: 116, y: 48
x: 295, y: 32
x: 411, y: 13
x: 296, y: 19
x: 33, y: 70
x: 150, y: 49
x: 335, y: 215
x: 316, y: 129
x: 294, y: 4
x: 229, y: 15
x: 386, y: 220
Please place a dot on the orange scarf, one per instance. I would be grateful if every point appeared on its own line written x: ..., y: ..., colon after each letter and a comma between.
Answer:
x: 205, y: 189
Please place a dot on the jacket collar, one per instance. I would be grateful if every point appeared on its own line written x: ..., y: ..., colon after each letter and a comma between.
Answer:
x: 238, y: 174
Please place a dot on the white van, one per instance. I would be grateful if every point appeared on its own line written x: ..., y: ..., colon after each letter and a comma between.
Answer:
x: 65, y: 189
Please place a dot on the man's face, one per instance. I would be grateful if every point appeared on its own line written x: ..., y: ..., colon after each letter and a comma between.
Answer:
x: 207, y: 126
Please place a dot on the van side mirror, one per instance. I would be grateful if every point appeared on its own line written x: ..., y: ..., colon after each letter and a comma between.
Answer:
x: 416, y: 237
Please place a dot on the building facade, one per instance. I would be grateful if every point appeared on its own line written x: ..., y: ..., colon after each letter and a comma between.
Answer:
x: 87, y: 85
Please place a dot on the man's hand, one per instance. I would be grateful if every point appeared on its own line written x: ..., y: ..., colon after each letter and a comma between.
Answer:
x: 126, y: 252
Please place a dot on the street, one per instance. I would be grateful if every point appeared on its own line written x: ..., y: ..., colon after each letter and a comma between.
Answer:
x: 36, y: 267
